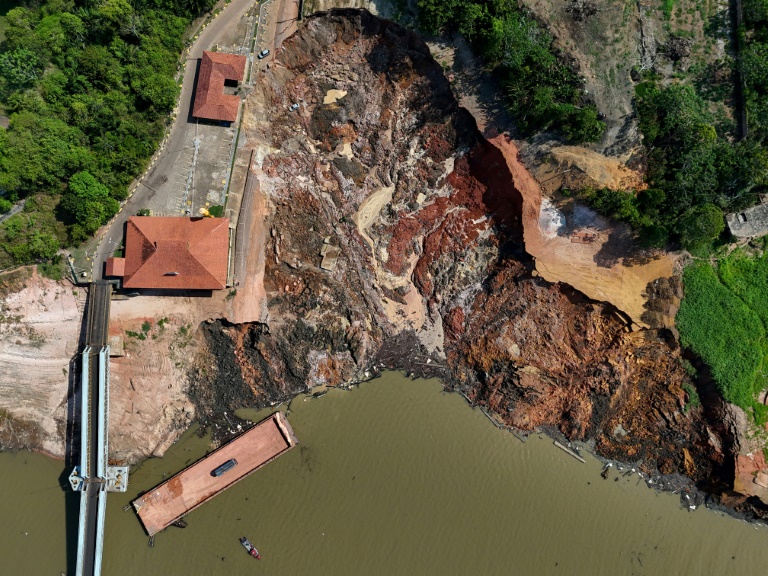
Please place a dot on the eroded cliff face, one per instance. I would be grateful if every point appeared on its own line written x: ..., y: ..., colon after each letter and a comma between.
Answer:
x: 394, y: 237
x: 381, y: 210
x: 541, y: 354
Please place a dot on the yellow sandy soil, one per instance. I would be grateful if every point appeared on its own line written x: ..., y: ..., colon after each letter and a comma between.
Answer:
x: 558, y: 259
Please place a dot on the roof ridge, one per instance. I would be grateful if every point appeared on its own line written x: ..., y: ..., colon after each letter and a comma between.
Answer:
x: 195, y: 248
x: 202, y: 268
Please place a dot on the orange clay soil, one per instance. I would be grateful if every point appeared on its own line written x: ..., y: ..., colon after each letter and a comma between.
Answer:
x: 581, y: 265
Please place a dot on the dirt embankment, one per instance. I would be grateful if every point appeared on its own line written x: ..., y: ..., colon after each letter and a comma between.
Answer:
x: 154, y: 341
x: 39, y: 333
x: 150, y: 377
x: 585, y: 251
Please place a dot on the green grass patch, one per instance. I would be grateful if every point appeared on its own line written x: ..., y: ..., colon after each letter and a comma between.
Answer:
x: 667, y: 6
x: 726, y: 328
x: 54, y: 269
x: 747, y: 278
x: 693, y: 401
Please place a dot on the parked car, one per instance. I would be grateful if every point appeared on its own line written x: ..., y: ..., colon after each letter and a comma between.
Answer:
x: 263, y: 54
x: 228, y: 465
x: 295, y: 106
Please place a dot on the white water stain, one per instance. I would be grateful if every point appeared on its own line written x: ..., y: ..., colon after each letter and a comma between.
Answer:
x: 551, y: 220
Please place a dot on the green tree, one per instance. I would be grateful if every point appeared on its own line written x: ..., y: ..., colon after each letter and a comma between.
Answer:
x: 701, y: 225
x: 434, y: 15
x: 88, y: 203
x: 754, y: 66
x: 115, y: 11
x: 583, y: 125
x: 19, y: 68
x: 42, y: 245
x: 756, y: 12
x: 157, y: 90
x: 473, y: 20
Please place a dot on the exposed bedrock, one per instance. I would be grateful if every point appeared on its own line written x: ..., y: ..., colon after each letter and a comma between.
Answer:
x: 394, y: 236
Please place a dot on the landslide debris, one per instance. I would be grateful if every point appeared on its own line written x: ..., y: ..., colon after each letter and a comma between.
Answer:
x: 541, y: 354
x: 394, y: 237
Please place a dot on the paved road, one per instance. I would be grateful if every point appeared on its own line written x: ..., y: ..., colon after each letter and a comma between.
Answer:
x: 165, y: 162
x: 18, y: 207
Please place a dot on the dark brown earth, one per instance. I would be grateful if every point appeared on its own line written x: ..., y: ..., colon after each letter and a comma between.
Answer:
x: 442, y: 285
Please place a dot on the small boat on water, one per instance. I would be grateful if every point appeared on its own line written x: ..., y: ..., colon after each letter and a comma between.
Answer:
x: 250, y: 547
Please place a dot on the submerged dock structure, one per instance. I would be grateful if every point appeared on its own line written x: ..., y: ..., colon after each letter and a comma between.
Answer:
x: 222, y: 468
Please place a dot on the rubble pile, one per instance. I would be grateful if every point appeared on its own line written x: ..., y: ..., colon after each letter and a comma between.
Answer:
x: 395, y: 238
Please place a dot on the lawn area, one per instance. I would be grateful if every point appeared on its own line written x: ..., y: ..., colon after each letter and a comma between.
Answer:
x: 723, y: 319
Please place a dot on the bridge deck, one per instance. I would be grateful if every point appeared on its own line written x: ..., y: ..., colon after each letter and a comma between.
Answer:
x: 95, y: 385
x: 165, y: 504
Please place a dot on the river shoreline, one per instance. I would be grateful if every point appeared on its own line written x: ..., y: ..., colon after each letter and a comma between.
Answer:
x: 405, y: 354
x: 393, y: 476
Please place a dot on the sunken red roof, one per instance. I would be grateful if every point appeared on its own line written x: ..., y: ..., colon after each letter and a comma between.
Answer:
x: 176, y: 253
x: 210, y: 101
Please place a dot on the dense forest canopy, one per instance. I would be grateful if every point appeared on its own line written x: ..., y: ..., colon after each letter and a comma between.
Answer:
x: 698, y: 169
x: 88, y: 88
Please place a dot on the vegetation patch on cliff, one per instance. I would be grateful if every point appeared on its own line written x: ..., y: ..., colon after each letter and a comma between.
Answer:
x: 542, y: 91
x: 694, y: 172
x: 753, y: 39
x: 723, y: 319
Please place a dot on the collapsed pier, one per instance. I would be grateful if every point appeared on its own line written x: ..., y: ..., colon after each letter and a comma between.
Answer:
x: 196, y: 484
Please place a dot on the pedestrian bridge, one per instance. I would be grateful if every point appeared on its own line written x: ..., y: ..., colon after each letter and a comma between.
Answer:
x: 93, y: 477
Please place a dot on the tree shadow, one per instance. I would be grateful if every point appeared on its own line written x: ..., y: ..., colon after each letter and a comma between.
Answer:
x: 619, y: 245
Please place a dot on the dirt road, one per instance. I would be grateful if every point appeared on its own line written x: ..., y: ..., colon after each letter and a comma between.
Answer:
x: 250, y: 300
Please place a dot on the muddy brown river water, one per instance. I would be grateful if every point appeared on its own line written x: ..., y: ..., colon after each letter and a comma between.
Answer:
x: 393, y: 477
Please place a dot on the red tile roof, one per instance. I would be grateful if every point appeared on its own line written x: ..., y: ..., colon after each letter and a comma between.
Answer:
x: 210, y: 101
x: 115, y: 267
x: 176, y: 253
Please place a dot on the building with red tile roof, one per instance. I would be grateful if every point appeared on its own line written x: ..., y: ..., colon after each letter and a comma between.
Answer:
x: 211, y: 103
x: 116, y: 267
x: 174, y: 253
